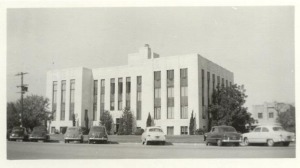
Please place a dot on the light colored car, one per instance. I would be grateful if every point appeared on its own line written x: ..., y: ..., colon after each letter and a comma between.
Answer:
x: 97, y: 134
x: 223, y: 135
x: 269, y: 134
x: 74, y: 134
x: 153, y: 134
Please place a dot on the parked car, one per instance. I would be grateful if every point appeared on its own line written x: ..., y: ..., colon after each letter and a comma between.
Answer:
x: 153, y: 134
x: 97, y: 134
x: 270, y: 135
x: 223, y: 135
x: 18, y: 133
x: 39, y: 133
x: 73, y: 134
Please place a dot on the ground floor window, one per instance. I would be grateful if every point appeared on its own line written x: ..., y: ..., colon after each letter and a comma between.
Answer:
x: 183, y: 130
x: 52, y: 130
x: 170, y: 130
x: 62, y: 130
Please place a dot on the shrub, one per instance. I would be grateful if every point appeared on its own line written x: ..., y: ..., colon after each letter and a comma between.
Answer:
x: 200, y: 131
x: 139, y: 131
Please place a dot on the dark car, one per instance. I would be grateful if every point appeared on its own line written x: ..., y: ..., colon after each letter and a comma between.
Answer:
x: 18, y: 133
x: 74, y: 134
x: 223, y: 135
x: 97, y: 134
x: 39, y: 133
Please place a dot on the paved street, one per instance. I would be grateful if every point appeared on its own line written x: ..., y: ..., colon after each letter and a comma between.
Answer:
x: 31, y: 150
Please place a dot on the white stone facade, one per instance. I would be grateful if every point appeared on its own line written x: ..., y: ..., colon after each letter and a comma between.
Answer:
x: 143, y: 63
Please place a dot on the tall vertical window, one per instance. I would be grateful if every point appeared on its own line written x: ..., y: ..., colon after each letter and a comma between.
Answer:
x: 222, y: 82
x: 170, y: 94
x: 72, y: 98
x: 95, y: 98
x: 157, y: 95
x: 112, y: 94
x: 139, y: 98
x: 128, y: 92
x: 170, y: 130
x: 184, y: 93
x: 230, y: 83
x: 213, y: 81
x: 226, y: 83
x: 54, y: 100
x: 63, y: 100
x: 218, y: 81
x: 120, y: 93
x: 102, y: 93
x: 202, y: 81
x: 208, y: 87
x: 271, y: 115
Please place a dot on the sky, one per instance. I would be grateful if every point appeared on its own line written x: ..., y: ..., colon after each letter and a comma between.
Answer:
x: 255, y: 43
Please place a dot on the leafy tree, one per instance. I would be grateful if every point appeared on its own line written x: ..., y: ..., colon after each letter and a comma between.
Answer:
x: 192, y: 124
x: 73, y: 120
x: 107, y: 121
x: 227, y: 107
x: 149, y: 121
x: 287, y: 119
x: 126, y: 122
x: 12, y: 115
x: 35, y: 111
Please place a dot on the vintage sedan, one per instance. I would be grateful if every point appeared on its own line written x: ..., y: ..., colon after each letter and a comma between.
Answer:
x: 39, y: 133
x: 19, y: 134
x: 73, y: 134
x: 223, y: 135
x: 270, y: 135
x: 153, y: 134
x: 97, y: 134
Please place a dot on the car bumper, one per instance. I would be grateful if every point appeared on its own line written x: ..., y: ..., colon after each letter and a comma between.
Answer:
x: 232, y: 141
x: 37, y: 138
x: 16, y: 138
x: 73, y: 139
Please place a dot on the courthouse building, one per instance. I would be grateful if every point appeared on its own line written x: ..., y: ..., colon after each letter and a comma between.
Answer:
x: 169, y: 88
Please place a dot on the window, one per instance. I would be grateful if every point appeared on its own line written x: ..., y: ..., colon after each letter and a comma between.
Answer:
x: 157, y: 95
x: 208, y: 84
x: 139, y: 98
x: 72, y: 99
x: 257, y: 129
x: 63, y: 100
x: 52, y: 130
x: 184, y: 130
x: 222, y: 82
x: 265, y: 129
x: 120, y: 93
x: 202, y: 77
x: 157, y: 113
x: 184, y: 112
x: 184, y: 91
x: 112, y: 94
x: 271, y: 115
x: 170, y: 94
x: 213, y: 80
x: 128, y: 92
x: 170, y: 130
x: 54, y: 100
x: 260, y: 115
x: 102, y: 93
x: 226, y: 83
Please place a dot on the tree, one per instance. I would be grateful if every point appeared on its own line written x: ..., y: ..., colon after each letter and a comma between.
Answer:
x: 86, y: 119
x: 73, y: 120
x: 126, y: 122
x: 192, y: 124
x: 12, y: 115
x: 287, y: 119
x: 227, y: 107
x: 149, y: 121
x: 106, y: 120
x: 35, y: 111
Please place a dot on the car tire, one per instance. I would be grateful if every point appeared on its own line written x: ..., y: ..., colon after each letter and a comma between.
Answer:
x: 66, y: 141
x: 286, y: 143
x: 207, y: 144
x: 270, y: 142
x: 246, y: 142
x: 219, y: 142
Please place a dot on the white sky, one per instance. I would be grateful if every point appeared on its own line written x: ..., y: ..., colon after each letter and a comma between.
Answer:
x: 255, y: 43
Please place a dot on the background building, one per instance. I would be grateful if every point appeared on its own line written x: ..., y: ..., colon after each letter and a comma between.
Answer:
x: 267, y: 113
x: 169, y: 88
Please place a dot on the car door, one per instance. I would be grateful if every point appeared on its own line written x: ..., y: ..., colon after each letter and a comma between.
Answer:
x: 265, y: 134
x: 209, y: 135
x: 213, y: 135
x: 255, y: 135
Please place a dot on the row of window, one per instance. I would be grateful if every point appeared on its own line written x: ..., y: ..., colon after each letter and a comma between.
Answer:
x: 183, y: 130
x: 63, y: 99
x: 260, y: 115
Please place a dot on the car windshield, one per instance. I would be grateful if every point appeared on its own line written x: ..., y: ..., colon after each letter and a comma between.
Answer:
x: 98, y: 129
x: 155, y: 130
x: 72, y: 129
x: 17, y: 129
x: 277, y: 129
x: 227, y: 129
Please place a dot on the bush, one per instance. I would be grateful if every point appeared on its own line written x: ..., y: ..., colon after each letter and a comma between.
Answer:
x: 139, y: 131
x: 85, y: 130
x: 200, y: 131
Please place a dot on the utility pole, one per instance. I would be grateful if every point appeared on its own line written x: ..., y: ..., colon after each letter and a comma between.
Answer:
x: 24, y: 88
